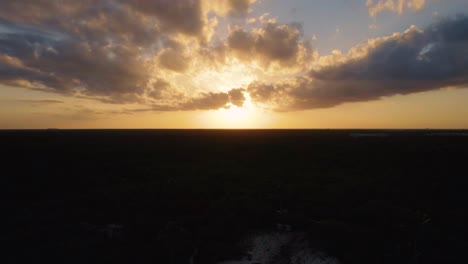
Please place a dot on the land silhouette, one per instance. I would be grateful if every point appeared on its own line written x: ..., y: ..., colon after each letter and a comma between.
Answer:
x: 193, y: 196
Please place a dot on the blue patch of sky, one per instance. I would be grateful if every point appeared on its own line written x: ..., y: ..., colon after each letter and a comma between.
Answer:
x: 342, y: 24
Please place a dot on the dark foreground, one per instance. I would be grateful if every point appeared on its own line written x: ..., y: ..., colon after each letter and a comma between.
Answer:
x: 168, y: 196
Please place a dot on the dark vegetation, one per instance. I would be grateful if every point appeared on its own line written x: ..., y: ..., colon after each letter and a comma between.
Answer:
x: 162, y: 196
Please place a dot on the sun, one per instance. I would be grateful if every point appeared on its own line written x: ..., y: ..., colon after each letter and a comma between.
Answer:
x: 236, y: 114
x: 234, y: 74
x: 235, y: 117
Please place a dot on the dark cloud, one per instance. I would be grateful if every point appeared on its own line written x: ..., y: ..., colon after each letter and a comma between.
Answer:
x: 207, y: 101
x: 413, y: 61
x: 242, y: 42
x: 133, y: 18
x: 262, y: 92
x: 157, y: 89
x: 181, y: 16
x: 271, y: 43
x: 173, y: 58
x: 279, y: 42
x: 237, y: 97
x: 70, y: 65
x: 437, y: 53
x: 75, y: 47
x: 239, y: 8
x: 42, y: 12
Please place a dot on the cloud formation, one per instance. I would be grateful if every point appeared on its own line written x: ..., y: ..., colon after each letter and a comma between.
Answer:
x: 409, y: 62
x: 235, y: 8
x: 205, y: 101
x: 272, y: 42
x: 115, y: 51
x: 398, y: 6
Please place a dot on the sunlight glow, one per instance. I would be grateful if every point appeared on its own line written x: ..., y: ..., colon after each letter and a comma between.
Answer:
x: 232, y: 75
x: 235, y: 117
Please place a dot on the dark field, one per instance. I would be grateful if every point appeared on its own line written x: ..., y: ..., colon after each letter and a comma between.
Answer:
x: 182, y: 196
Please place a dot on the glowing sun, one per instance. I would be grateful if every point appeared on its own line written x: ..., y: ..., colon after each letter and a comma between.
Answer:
x: 246, y: 116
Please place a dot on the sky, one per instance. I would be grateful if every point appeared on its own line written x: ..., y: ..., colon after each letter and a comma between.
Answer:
x: 233, y: 64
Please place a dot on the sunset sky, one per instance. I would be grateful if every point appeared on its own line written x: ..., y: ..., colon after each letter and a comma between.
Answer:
x: 234, y: 64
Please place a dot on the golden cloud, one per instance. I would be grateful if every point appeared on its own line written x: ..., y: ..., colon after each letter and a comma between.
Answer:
x: 398, y: 6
